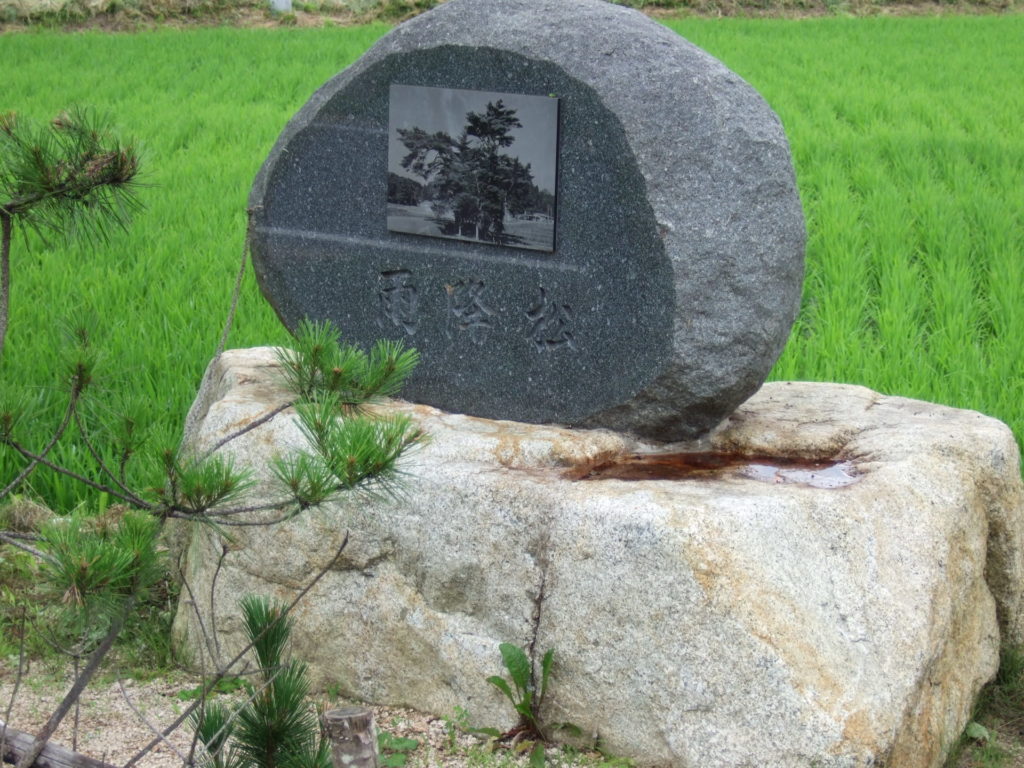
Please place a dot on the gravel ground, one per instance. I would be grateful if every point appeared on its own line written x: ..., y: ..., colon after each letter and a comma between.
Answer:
x: 111, y: 728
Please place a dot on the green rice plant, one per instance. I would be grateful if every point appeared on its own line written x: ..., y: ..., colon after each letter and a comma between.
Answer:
x: 905, y: 139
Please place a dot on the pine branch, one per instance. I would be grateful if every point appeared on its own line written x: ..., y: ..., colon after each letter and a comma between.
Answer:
x: 74, y: 163
x: 35, y: 460
x: 84, y: 434
x: 236, y: 291
x: 41, y: 459
x: 248, y: 427
x: 152, y: 728
x: 6, y: 223
x: 71, y: 178
x: 7, y: 538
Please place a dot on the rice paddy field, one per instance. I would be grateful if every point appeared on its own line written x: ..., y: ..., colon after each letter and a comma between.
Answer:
x: 909, y: 153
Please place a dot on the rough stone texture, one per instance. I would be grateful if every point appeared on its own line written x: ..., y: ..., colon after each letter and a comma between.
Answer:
x: 699, y: 623
x: 679, y: 239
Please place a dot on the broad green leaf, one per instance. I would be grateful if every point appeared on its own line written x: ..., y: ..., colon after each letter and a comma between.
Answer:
x: 502, y: 685
x: 978, y: 732
x: 525, y: 708
x: 517, y: 664
x: 545, y: 668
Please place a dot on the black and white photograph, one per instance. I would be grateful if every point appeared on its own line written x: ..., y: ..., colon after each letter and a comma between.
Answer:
x: 473, y: 165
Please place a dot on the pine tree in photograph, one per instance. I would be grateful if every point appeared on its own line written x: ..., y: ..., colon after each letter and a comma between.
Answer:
x: 474, y: 182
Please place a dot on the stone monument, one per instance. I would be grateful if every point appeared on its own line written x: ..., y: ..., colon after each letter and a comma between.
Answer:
x: 645, y: 275
x: 579, y: 218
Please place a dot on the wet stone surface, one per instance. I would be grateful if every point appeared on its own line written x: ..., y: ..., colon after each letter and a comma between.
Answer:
x: 708, y: 465
x: 678, y: 246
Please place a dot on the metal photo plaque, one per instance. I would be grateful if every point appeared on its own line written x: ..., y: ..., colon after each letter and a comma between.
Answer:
x: 478, y: 166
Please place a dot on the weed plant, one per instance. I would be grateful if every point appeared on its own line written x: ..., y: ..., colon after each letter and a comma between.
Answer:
x: 394, y: 750
x: 523, y: 694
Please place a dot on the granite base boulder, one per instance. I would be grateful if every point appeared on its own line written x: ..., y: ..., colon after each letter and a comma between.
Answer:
x: 715, y: 621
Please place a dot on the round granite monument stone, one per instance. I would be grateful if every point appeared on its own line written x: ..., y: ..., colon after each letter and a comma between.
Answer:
x: 575, y: 216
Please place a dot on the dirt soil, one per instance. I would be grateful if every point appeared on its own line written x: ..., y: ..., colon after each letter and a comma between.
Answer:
x: 119, y: 718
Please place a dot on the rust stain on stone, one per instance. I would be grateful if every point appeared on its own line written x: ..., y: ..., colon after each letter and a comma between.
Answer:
x: 831, y: 473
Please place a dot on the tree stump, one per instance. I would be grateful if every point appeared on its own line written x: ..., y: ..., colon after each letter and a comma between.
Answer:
x: 353, y: 740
